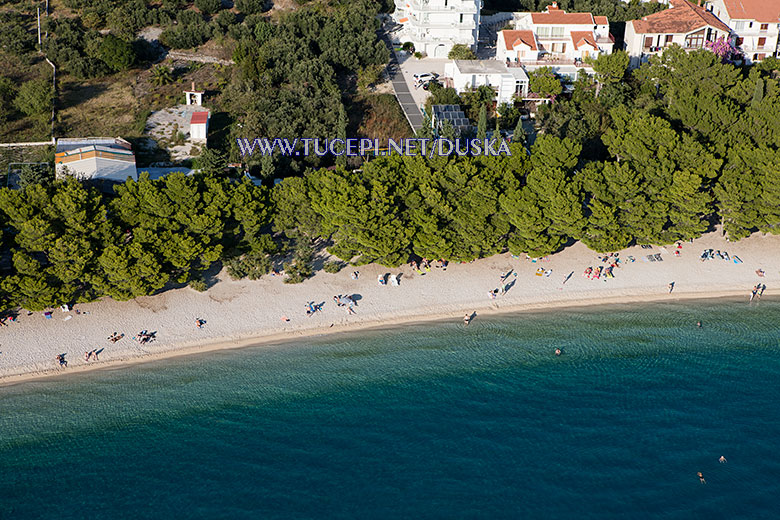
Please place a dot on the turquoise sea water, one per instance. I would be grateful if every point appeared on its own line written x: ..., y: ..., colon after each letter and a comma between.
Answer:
x: 423, y: 421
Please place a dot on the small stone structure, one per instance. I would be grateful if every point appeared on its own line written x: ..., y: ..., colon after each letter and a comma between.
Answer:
x: 194, y: 97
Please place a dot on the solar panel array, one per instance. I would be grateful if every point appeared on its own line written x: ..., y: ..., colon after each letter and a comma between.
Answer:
x: 451, y: 113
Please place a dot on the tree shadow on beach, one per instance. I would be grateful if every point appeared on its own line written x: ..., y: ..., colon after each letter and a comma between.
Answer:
x: 510, y: 285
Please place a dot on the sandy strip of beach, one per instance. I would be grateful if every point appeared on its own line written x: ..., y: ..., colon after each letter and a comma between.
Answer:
x: 242, y: 313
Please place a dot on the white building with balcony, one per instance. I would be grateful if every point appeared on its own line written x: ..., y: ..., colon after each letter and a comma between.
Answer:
x: 754, y: 24
x: 434, y: 26
x: 554, y: 38
x: 684, y: 23
x: 466, y: 75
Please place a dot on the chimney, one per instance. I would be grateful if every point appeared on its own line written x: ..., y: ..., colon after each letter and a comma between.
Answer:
x: 193, y: 86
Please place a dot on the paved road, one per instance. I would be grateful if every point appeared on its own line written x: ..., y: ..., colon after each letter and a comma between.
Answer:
x: 401, y: 89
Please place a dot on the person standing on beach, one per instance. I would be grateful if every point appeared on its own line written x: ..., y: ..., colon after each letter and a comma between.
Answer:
x: 671, y: 287
x: 753, y: 293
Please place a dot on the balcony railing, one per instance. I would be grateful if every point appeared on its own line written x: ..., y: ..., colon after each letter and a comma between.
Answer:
x: 548, y: 62
x: 463, y: 6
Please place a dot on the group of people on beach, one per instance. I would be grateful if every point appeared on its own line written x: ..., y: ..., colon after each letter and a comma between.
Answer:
x: 504, y: 284
x: 312, y: 308
x: 145, y: 337
x: 426, y: 264
x: 345, y: 301
x: 758, y: 290
x: 395, y: 279
x: 92, y: 353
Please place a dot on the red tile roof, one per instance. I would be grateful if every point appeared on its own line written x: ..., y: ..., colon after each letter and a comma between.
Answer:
x: 601, y: 20
x: 583, y: 37
x: 511, y: 38
x: 561, y: 17
x: 683, y: 17
x: 767, y: 11
x: 199, y: 118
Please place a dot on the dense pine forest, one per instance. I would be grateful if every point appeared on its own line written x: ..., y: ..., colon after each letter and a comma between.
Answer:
x: 663, y: 153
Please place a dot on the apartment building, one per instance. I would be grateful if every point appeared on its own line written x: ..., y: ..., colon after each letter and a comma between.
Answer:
x: 554, y: 38
x: 434, y: 26
x: 684, y: 23
x: 755, y: 25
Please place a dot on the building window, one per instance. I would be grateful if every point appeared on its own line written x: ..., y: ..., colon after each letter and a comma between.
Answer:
x: 695, y: 41
x: 559, y: 47
x: 761, y: 42
x: 739, y: 26
x: 668, y: 39
x: 764, y: 27
x: 739, y: 41
x: 648, y: 42
x: 543, y: 32
x: 760, y: 56
x: 556, y: 32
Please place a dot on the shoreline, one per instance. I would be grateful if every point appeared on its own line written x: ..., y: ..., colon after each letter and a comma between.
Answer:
x: 277, y: 339
x: 241, y: 313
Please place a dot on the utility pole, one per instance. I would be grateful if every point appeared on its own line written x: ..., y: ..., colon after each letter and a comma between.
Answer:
x: 39, y: 27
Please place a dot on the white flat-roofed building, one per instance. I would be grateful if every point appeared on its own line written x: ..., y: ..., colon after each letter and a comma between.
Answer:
x: 434, y: 26
x: 95, y: 158
x: 508, y: 82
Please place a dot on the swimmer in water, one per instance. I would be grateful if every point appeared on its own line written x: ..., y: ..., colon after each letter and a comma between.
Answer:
x: 722, y: 459
x: 558, y: 352
x: 698, y: 324
x: 701, y: 477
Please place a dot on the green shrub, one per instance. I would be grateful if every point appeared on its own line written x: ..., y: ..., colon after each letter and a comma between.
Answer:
x: 34, y: 97
x: 251, y: 265
x: 296, y: 272
x: 251, y: 6
x: 198, y: 284
x: 208, y: 7
x: 461, y: 52
x: 332, y: 267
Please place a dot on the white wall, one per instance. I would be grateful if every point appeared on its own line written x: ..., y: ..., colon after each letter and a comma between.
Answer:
x: 505, y: 83
x: 198, y: 131
x: 98, y: 168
